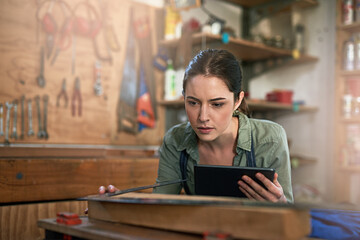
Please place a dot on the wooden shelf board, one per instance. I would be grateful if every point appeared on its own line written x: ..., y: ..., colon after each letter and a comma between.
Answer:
x: 261, y: 105
x: 353, y: 168
x: 352, y: 28
x: 247, y: 3
x: 243, y: 49
x: 350, y: 73
x: 350, y: 120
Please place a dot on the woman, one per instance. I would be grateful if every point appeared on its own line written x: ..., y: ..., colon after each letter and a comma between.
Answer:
x: 219, y: 132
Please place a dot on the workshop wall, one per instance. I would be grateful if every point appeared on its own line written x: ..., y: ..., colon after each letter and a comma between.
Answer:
x: 98, y: 35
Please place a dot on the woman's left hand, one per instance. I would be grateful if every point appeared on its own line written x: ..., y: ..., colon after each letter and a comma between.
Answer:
x: 253, y: 190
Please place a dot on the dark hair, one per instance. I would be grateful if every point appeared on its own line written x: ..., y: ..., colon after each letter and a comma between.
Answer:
x: 221, y: 64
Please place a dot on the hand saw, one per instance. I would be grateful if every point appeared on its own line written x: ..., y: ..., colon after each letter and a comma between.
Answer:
x: 126, y: 108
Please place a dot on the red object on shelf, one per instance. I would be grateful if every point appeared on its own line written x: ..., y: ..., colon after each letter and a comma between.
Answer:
x: 68, y: 218
x: 281, y: 96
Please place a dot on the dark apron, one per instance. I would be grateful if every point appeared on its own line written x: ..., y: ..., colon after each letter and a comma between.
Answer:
x: 250, y: 162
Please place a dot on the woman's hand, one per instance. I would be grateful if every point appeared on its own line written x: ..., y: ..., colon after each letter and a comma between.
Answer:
x: 253, y: 190
x: 109, y: 189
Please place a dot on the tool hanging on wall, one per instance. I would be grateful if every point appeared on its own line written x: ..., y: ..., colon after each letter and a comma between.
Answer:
x: 76, y: 99
x: 30, y: 131
x: 108, y: 29
x: 7, y: 127
x: 46, y: 100
x: 41, y: 133
x: 98, y: 89
x: 41, y: 79
x: 22, y: 135
x: 126, y: 107
x: 14, y: 130
x: 143, y: 36
x: 49, y: 24
x: 145, y: 112
x: 64, y: 40
x: 62, y: 94
x: 1, y: 120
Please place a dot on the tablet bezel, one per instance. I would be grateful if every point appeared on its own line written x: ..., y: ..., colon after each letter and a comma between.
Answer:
x: 216, y: 180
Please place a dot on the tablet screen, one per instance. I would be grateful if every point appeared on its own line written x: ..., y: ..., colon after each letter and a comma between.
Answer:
x: 213, y: 180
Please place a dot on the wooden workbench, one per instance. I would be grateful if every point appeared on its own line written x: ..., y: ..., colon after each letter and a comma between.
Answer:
x: 95, y: 229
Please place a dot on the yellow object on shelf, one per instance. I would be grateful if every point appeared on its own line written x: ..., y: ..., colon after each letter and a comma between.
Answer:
x: 172, y: 24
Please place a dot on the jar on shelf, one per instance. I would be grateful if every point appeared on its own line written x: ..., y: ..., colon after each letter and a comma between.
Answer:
x: 347, y: 12
x: 349, y: 54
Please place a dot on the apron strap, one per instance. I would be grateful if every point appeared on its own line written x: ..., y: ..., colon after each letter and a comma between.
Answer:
x: 250, y: 156
x: 183, y: 165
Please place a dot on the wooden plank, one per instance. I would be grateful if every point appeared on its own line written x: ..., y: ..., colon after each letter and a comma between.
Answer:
x: 84, y: 151
x: 239, y: 220
x: 45, y: 179
x: 19, y: 222
x: 93, y: 229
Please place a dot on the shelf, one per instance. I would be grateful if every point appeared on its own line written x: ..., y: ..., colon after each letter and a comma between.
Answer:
x: 265, y: 106
x: 254, y: 105
x: 352, y: 168
x: 297, y: 160
x: 352, y: 28
x: 253, y: 3
x: 350, y: 73
x: 351, y: 120
x: 243, y: 49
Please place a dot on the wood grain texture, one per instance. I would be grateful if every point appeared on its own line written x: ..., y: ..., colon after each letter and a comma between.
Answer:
x: 43, y: 179
x: 241, y: 221
x: 21, y: 39
x: 19, y: 222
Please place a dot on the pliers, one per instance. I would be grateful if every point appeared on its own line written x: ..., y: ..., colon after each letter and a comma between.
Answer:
x: 62, y: 94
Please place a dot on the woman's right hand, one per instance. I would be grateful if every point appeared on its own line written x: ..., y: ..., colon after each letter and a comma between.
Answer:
x: 109, y: 189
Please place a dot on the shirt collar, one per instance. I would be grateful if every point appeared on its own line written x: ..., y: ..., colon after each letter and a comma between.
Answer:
x: 244, y: 133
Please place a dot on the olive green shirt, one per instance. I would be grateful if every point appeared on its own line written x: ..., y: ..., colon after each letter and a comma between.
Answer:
x: 270, y: 147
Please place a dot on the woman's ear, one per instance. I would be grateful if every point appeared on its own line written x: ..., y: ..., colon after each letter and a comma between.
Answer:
x: 238, y: 102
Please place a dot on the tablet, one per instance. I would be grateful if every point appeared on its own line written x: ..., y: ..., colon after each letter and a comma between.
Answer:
x: 214, y: 180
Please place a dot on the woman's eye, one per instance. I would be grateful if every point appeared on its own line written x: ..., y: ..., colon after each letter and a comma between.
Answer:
x: 192, y: 103
x: 218, y: 104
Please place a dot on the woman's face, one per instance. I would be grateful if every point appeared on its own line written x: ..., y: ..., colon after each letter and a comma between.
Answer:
x: 209, y: 106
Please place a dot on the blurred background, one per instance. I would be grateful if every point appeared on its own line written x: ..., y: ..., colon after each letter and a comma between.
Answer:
x: 89, y: 88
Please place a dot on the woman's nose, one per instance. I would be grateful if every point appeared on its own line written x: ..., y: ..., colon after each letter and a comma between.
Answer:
x: 204, y: 114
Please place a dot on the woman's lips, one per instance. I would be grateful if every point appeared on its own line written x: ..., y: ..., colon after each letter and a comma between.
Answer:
x: 204, y: 130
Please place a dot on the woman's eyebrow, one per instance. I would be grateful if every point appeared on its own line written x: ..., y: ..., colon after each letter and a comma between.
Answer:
x: 211, y: 100
x: 194, y: 98
x: 217, y: 99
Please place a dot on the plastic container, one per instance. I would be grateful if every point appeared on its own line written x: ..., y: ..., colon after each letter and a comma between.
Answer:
x: 280, y: 96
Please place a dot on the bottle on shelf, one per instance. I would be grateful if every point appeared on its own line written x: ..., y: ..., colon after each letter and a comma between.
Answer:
x: 349, y: 54
x: 170, y: 81
x: 347, y: 104
x: 347, y: 12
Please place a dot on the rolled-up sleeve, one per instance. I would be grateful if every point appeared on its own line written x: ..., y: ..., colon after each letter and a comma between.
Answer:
x: 169, y: 169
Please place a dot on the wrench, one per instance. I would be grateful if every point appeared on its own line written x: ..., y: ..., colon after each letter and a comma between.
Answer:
x: 14, y: 131
x: 31, y: 131
x: 8, y: 109
x: 22, y: 117
x: 1, y: 120
x: 97, y: 86
x: 40, y: 133
x: 40, y: 79
x: 45, y: 99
